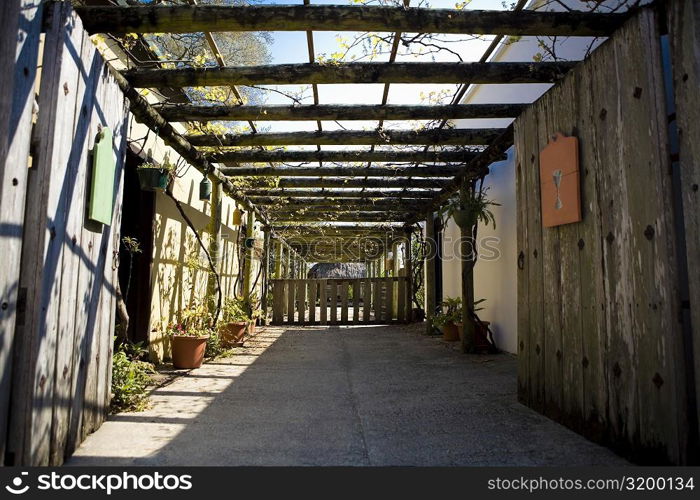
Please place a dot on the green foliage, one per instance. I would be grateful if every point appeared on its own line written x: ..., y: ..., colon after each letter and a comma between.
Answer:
x: 196, y: 321
x: 214, y: 346
x: 450, y: 312
x: 130, y: 379
x: 475, y: 203
x: 235, y: 309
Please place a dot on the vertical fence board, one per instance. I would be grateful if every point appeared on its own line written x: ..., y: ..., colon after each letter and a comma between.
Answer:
x: 523, y: 257
x: 356, y: 296
x: 19, y: 52
x: 333, y: 290
x: 366, y: 300
x: 344, y: 285
x: 323, y: 317
x: 313, y: 293
x: 684, y: 18
x: 291, y: 290
x: 301, y: 301
x: 613, y: 276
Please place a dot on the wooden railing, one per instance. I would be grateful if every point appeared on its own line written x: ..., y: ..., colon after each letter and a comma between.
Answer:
x: 340, y: 301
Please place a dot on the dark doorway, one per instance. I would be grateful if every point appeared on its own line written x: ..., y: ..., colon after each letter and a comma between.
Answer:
x: 137, y: 222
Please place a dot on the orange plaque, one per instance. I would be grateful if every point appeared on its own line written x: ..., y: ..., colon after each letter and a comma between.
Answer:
x: 560, y: 182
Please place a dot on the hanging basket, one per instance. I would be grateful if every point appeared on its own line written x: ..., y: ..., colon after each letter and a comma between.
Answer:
x: 462, y: 218
x: 153, y: 179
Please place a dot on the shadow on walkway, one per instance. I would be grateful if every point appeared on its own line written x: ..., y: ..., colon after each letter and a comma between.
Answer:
x: 341, y: 396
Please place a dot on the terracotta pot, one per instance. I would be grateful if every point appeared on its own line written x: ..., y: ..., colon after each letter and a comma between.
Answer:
x: 188, y: 352
x: 450, y: 332
x: 232, y: 333
x: 481, y: 339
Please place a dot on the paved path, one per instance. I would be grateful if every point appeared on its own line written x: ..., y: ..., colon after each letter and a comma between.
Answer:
x: 341, y: 396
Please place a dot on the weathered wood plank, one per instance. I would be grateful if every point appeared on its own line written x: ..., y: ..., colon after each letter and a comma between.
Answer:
x: 312, y: 294
x: 401, y: 300
x: 301, y: 301
x: 85, y: 94
x: 591, y: 241
x: 291, y: 291
x: 187, y: 19
x: 339, y: 182
x: 191, y: 112
x: 19, y: 55
x: 323, y: 296
x: 684, y: 17
x: 367, y: 300
x: 333, y: 290
x: 449, y: 137
x: 398, y: 171
x: 344, y: 301
x: 277, y: 301
x: 50, y: 191
x: 356, y: 298
x: 523, y: 202
x: 289, y: 156
x: 396, y: 72
x: 266, y: 196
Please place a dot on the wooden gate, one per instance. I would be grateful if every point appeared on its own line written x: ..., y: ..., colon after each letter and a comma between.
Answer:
x: 340, y: 301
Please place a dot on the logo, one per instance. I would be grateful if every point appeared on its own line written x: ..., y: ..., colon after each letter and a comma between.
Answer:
x: 16, y: 488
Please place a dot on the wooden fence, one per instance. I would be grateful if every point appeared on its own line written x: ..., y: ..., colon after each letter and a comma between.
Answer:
x: 601, y: 347
x: 58, y: 273
x: 340, y: 301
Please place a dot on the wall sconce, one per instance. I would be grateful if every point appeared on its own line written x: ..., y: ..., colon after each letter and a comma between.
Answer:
x: 205, y: 189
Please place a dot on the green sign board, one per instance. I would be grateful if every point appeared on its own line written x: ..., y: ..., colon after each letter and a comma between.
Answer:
x: 102, y: 189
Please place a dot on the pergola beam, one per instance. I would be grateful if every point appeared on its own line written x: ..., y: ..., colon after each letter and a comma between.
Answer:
x: 369, y: 72
x: 343, y: 156
x: 192, y: 112
x: 339, y: 182
x: 405, y: 171
x: 451, y: 137
x: 346, y: 217
x: 361, y: 202
x: 189, y: 19
x: 265, y: 195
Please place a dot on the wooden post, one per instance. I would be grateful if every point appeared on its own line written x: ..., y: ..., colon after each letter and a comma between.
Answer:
x: 466, y: 256
x: 288, y: 264
x: 248, y: 269
x: 265, y: 273
x: 408, y: 269
x: 429, y: 272
x: 278, y: 259
x: 395, y: 247
x: 214, y: 230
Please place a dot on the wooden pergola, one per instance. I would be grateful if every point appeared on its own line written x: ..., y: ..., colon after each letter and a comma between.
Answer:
x: 384, y: 189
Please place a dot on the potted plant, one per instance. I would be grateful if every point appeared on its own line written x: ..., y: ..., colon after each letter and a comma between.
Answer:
x: 188, y: 338
x: 446, y: 320
x: 481, y: 329
x: 153, y: 177
x: 235, y: 320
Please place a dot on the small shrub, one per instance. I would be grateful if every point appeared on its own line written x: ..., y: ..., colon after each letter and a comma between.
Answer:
x: 214, y: 346
x: 130, y: 379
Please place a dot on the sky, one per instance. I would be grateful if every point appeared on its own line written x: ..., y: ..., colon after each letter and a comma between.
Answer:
x: 291, y: 47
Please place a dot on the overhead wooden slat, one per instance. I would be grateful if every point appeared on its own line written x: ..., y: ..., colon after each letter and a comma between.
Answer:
x: 452, y: 137
x: 188, y: 19
x: 370, y: 72
x: 306, y: 202
x: 261, y: 194
x: 337, y: 182
x: 348, y: 217
x: 447, y: 156
x: 339, y: 208
x: 434, y: 171
x: 192, y: 112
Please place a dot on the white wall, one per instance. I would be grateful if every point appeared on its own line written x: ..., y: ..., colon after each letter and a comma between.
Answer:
x: 495, y: 280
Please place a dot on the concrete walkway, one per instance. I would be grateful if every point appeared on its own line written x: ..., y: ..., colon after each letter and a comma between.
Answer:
x: 341, y: 396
